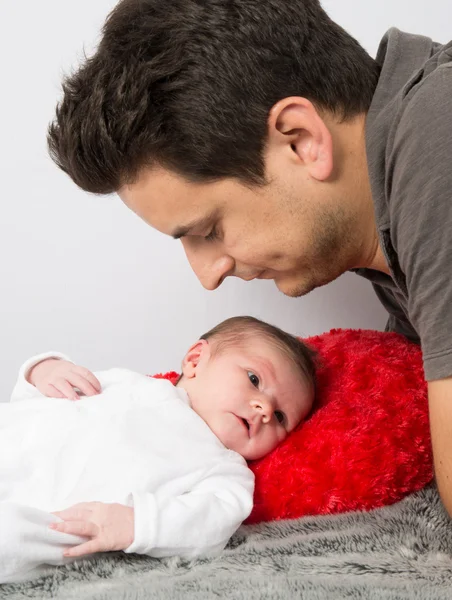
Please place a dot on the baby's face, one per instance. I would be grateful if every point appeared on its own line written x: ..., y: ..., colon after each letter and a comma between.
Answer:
x: 251, y: 397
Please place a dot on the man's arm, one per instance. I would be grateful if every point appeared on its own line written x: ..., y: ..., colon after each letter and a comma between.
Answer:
x: 440, y: 408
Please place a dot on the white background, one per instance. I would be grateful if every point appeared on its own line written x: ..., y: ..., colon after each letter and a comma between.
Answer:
x: 83, y: 275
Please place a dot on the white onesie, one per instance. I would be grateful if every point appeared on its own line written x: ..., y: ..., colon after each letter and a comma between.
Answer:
x: 138, y: 443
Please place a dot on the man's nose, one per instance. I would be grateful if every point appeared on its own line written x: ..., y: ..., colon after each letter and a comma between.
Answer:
x: 210, y: 268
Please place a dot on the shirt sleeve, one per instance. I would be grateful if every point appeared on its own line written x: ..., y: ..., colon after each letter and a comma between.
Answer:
x: 421, y: 215
x: 23, y: 390
x: 397, y: 321
x: 199, y: 522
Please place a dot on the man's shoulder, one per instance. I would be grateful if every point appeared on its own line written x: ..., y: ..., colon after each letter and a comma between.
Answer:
x: 420, y: 144
x: 428, y: 96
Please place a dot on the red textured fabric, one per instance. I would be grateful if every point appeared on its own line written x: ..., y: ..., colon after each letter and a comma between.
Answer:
x: 367, y: 443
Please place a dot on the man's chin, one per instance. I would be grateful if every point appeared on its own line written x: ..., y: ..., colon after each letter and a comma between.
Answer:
x: 297, y: 288
x: 294, y: 290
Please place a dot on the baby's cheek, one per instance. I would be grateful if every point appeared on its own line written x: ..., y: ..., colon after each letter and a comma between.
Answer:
x: 277, y: 438
x: 282, y: 435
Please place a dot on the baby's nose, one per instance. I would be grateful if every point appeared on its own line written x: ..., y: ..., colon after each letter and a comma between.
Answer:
x: 264, y: 408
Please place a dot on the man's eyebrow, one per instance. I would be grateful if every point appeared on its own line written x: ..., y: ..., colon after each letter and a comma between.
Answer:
x: 198, y: 224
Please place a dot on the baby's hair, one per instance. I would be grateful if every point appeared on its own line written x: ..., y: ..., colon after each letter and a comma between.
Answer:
x: 237, y: 330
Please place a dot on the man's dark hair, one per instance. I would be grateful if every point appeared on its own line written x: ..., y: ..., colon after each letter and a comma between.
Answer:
x: 188, y: 85
x: 237, y: 331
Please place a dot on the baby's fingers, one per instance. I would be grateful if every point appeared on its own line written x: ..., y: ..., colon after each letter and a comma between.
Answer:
x: 90, y: 547
x: 50, y: 391
x: 64, y: 388
x: 81, y: 528
x: 86, y: 381
x: 82, y: 384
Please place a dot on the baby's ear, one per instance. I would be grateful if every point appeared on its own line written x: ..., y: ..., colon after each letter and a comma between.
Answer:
x: 197, y: 354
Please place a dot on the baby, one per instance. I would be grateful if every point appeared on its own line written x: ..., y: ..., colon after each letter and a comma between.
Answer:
x: 120, y: 461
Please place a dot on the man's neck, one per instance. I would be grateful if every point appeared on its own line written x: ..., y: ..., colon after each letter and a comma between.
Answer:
x: 379, y: 262
x: 372, y: 256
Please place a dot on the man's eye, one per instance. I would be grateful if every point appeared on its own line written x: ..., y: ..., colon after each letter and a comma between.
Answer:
x: 279, y: 416
x: 253, y: 378
x: 212, y: 236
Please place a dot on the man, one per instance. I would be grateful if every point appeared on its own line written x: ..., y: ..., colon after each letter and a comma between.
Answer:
x: 262, y: 135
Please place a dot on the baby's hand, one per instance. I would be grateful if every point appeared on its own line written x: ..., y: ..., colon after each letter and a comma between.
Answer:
x: 109, y: 527
x: 58, y: 378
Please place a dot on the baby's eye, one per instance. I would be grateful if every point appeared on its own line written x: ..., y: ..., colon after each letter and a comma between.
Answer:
x: 279, y: 416
x: 253, y: 378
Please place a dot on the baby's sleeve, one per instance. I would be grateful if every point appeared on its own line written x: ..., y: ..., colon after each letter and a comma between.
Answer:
x: 23, y: 390
x: 199, y: 522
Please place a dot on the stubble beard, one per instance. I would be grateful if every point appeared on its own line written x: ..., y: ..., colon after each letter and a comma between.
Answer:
x: 333, y: 243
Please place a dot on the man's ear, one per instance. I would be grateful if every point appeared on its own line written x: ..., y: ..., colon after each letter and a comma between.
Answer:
x: 295, y: 125
x: 197, y: 353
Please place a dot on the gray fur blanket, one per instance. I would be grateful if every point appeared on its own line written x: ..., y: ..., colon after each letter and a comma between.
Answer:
x: 400, y: 552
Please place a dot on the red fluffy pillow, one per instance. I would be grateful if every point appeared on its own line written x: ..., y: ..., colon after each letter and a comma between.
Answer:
x: 367, y: 444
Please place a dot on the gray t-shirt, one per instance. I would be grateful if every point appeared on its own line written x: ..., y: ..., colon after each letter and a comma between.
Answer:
x: 409, y: 151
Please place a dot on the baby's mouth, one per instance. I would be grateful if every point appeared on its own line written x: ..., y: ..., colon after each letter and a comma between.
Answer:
x: 245, y: 423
